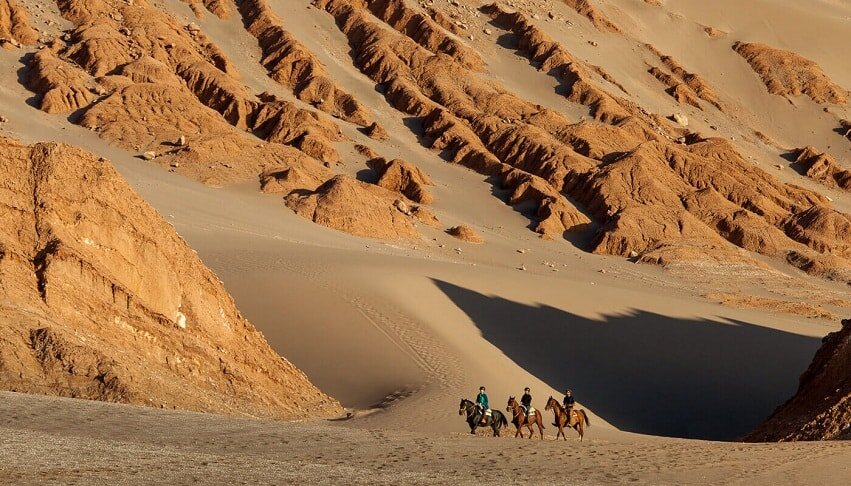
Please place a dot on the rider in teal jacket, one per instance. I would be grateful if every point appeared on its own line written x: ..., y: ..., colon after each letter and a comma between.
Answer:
x: 482, y: 399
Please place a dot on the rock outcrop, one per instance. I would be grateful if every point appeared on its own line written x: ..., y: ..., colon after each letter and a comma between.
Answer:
x: 358, y: 208
x: 643, y: 183
x: 101, y: 299
x: 403, y: 177
x: 822, y: 167
x: 63, y: 87
x: 683, y: 85
x: 465, y: 233
x: 15, y: 28
x: 592, y: 13
x: 821, y: 408
x: 785, y: 73
x: 293, y: 65
x: 624, y: 181
x: 141, y: 79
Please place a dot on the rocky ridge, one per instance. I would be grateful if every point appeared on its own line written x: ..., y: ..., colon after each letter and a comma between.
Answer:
x: 101, y: 299
x: 788, y: 74
x: 821, y: 408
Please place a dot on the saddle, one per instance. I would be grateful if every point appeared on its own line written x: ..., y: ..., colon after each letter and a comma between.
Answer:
x: 485, y: 417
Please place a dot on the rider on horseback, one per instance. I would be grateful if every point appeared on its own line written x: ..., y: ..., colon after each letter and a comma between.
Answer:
x: 526, y: 401
x: 568, y: 401
x: 482, y: 399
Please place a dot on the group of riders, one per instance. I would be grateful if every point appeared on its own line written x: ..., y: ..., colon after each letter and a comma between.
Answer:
x: 525, y: 401
x: 523, y: 415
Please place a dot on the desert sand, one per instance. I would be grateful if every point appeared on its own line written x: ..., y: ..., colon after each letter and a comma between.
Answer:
x: 680, y: 304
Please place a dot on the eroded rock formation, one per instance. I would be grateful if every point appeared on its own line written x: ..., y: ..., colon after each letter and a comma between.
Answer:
x: 822, y: 167
x: 821, y: 408
x: 785, y: 73
x: 101, y: 299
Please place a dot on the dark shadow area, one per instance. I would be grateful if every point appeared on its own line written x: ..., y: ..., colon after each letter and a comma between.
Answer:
x: 23, y: 74
x: 509, y: 41
x: 367, y: 175
x: 416, y: 125
x: 645, y: 372
x: 527, y: 209
x: 791, y: 157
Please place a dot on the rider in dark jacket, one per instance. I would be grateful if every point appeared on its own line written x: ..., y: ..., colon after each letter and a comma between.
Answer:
x: 568, y: 401
x: 526, y: 400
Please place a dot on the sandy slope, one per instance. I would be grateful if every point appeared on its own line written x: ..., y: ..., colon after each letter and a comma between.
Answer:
x: 108, y: 444
x: 418, y: 320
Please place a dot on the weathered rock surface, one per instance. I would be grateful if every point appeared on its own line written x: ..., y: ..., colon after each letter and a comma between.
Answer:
x: 465, y: 233
x: 349, y: 205
x: 785, y: 73
x: 592, y: 13
x: 156, y: 79
x: 822, y: 167
x: 403, y: 177
x: 15, y: 28
x: 101, y: 299
x: 293, y: 65
x: 821, y: 408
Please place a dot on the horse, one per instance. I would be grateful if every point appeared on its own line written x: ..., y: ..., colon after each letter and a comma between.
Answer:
x: 578, y: 419
x: 477, y: 418
x: 521, y: 419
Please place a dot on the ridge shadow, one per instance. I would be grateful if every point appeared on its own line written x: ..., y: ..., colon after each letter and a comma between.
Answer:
x: 645, y: 372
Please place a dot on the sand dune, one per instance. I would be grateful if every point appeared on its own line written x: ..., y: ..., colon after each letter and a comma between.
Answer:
x: 642, y: 201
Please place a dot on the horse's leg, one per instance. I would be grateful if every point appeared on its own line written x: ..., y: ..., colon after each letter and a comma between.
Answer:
x: 519, y: 430
x: 540, y: 425
x: 529, y: 425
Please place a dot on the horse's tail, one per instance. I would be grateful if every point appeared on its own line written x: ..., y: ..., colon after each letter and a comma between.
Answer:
x: 585, y: 416
x: 503, y: 420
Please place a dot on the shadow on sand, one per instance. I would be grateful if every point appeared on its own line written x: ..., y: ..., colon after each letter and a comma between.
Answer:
x: 645, y: 372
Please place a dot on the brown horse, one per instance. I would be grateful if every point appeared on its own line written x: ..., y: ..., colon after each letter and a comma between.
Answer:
x: 578, y: 419
x: 520, y: 419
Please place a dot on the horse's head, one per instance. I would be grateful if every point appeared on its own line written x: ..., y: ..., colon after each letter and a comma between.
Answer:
x: 512, y: 404
x: 462, y: 407
x: 550, y: 403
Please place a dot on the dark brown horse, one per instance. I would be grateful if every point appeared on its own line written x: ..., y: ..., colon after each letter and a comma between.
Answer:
x: 577, y: 419
x: 477, y: 418
x: 521, y: 419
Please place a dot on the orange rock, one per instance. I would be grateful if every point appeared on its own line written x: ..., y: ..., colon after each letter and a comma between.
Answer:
x: 823, y: 168
x: 821, y: 407
x: 62, y: 87
x: 103, y: 300
x: 376, y: 131
x: 14, y: 24
x: 586, y: 8
x: 465, y: 233
x: 403, y: 177
x: 292, y: 64
x: 361, y: 209
x: 785, y: 73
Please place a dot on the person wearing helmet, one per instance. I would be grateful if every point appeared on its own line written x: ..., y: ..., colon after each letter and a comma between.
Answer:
x: 482, y: 399
x: 526, y: 400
